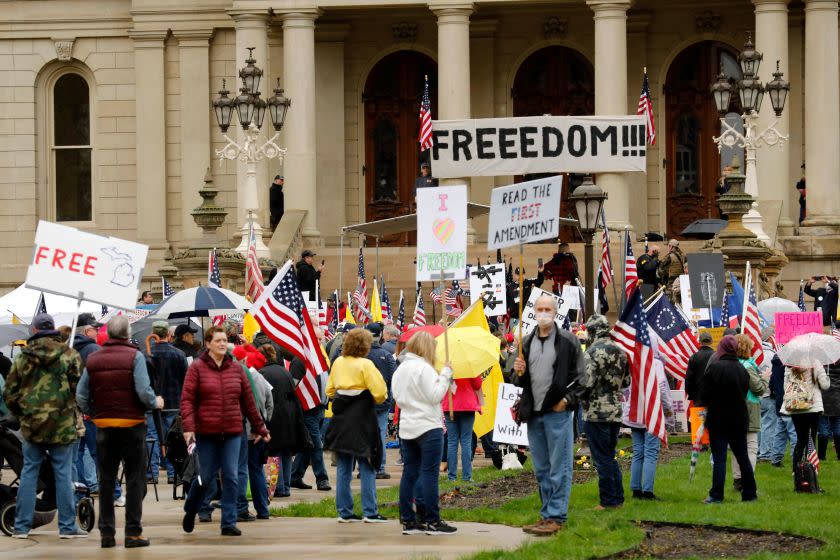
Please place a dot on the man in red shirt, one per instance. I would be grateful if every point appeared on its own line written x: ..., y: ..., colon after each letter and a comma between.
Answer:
x: 562, y: 269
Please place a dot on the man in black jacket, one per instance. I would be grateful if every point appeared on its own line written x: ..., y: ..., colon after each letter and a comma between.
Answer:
x: 307, y: 274
x: 647, y: 266
x: 696, y: 367
x: 550, y: 374
x: 276, y: 201
x: 825, y: 298
x: 386, y: 364
x: 185, y: 342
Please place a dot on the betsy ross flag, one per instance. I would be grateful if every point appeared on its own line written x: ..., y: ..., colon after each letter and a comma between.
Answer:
x: 284, y: 318
x: 425, y: 136
x: 631, y: 334
x: 165, y: 288
x: 400, y: 320
x: 419, y: 310
x: 606, y: 261
x: 750, y: 323
x: 253, y: 275
x: 646, y: 109
x: 801, y: 302
x: 631, y: 276
x: 677, y: 343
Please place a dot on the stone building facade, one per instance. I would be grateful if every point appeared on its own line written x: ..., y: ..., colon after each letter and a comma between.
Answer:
x: 107, y: 123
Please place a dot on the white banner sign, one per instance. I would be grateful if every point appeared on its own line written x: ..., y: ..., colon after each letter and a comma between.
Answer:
x: 680, y: 404
x: 71, y: 262
x: 524, y: 212
x: 521, y: 145
x: 572, y: 296
x: 441, y: 233
x: 529, y: 317
x: 505, y: 429
x: 488, y: 283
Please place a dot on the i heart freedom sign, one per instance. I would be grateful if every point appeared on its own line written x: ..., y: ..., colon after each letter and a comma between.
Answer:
x: 442, y: 233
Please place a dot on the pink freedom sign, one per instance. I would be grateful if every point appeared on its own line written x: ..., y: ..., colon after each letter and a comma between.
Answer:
x: 792, y: 324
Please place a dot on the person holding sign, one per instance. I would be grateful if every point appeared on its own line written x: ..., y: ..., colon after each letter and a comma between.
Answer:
x: 549, y: 371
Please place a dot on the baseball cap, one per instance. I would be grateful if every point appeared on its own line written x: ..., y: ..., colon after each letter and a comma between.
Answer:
x: 87, y: 320
x: 705, y: 337
x: 308, y: 253
x: 374, y: 328
x: 278, y: 177
x: 43, y: 322
x: 181, y: 330
x: 426, y: 165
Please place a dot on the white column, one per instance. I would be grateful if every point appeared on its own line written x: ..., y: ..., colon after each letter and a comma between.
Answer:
x: 771, y: 39
x: 300, y: 170
x: 151, y: 131
x: 454, y: 72
x: 611, y: 92
x: 194, y: 56
x: 822, y: 116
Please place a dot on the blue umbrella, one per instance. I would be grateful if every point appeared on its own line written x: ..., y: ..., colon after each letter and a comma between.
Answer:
x: 204, y: 301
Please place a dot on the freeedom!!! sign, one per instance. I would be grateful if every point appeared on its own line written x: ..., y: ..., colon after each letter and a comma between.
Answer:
x: 520, y: 145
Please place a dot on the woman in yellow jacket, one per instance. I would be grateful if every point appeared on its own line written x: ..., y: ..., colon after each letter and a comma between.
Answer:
x: 355, y: 385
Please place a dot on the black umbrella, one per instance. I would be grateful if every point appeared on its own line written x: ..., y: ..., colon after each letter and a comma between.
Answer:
x: 704, y: 229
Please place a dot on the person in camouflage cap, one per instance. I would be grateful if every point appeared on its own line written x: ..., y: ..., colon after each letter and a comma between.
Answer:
x: 40, y: 392
x: 607, y: 375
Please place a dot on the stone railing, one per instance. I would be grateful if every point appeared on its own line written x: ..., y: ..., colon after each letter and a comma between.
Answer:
x: 287, y: 241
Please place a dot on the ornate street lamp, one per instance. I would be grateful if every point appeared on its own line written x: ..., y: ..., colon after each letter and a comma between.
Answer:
x: 751, y: 93
x: 250, y: 109
x: 588, y: 199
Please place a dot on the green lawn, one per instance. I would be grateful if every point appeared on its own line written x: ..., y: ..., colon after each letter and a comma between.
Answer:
x: 594, y: 534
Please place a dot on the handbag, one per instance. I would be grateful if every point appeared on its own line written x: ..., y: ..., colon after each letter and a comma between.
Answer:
x: 798, y: 395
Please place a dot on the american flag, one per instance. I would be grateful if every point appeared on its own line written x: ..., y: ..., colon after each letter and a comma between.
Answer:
x: 284, y: 318
x: 801, y: 302
x: 41, y: 306
x: 333, y: 328
x: 360, y: 296
x: 400, y: 322
x: 425, y: 137
x: 631, y: 334
x: 631, y: 276
x: 646, y: 109
x: 606, y: 261
x: 435, y: 295
x: 419, y: 310
x: 386, y: 303
x: 724, y: 309
x: 214, y: 278
x: 835, y: 332
x: 677, y: 343
x: 750, y: 325
x: 165, y: 288
x: 812, y: 456
x: 452, y: 297
x: 253, y: 275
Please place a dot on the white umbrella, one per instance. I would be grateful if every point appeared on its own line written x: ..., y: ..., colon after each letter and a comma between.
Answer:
x: 204, y: 301
x: 769, y: 307
x: 808, y: 349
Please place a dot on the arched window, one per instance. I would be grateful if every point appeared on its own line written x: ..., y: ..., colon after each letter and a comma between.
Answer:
x: 70, y: 149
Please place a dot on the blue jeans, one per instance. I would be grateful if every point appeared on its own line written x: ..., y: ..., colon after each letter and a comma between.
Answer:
x: 284, y: 478
x: 382, y: 420
x: 313, y: 421
x: 242, y: 475
x: 551, y: 439
x: 419, y: 482
x: 769, y: 426
x: 645, y: 456
x: 829, y: 426
x: 256, y: 476
x: 459, y: 431
x: 166, y: 422
x: 343, y: 495
x: 84, y: 468
x: 216, y: 453
x: 603, y: 438
x: 61, y: 457
x: 784, y: 432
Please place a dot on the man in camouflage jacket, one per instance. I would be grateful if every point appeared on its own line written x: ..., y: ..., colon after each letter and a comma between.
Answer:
x: 607, y: 375
x: 40, y: 392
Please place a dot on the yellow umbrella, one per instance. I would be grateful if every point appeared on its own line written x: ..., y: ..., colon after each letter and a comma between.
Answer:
x: 472, y: 351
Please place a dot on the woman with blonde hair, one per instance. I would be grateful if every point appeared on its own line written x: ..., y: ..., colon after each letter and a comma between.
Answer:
x: 356, y: 386
x: 418, y: 391
x: 757, y: 387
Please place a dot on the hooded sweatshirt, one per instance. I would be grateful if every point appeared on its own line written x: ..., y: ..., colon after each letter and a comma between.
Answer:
x: 607, y: 374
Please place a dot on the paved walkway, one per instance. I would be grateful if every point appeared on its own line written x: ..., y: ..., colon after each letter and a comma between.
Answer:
x: 304, y: 538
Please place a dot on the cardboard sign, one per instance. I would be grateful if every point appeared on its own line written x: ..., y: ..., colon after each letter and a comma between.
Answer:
x: 680, y: 407
x: 793, y: 323
x: 441, y: 233
x: 505, y: 429
x: 705, y: 274
x: 529, y: 317
x: 488, y: 284
x: 524, y: 212
x: 544, y: 144
x: 717, y: 334
x: 74, y: 263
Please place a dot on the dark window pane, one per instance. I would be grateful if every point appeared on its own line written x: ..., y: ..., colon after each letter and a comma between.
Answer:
x: 72, y: 185
x: 72, y: 111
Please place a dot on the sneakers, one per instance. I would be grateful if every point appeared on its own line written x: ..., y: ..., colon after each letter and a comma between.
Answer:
x: 20, y: 536
x: 375, y: 519
x: 651, y: 497
x: 350, y: 519
x: 188, y: 524
x: 136, y: 542
x: 544, y: 528
x: 710, y: 500
x: 300, y: 484
x: 75, y: 534
x: 439, y: 527
x: 413, y: 528
x: 323, y: 485
x: 231, y: 532
x: 120, y: 502
x: 205, y: 518
x: 638, y: 494
x: 382, y: 476
x: 246, y: 516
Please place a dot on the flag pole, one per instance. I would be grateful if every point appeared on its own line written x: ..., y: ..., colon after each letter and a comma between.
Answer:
x: 609, y: 251
x: 747, y: 286
x: 521, y: 294
x: 653, y: 297
x: 624, y: 238
x: 446, y: 341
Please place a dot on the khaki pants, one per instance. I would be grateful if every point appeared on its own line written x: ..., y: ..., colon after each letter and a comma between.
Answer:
x: 752, y: 452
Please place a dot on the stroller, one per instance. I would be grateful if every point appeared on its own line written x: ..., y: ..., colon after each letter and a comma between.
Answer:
x: 11, y: 452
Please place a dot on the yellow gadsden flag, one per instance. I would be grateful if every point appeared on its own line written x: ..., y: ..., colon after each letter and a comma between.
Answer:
x: 348, y: 315
x: 375, y: 304
x: 473, y: 316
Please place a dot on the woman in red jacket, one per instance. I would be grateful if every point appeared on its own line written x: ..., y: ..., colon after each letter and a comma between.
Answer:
x: 465, y: 403
x: 215, y: 393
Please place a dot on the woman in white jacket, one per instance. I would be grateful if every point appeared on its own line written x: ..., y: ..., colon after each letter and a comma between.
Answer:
x: 418, y: 391
x: 804, y: 382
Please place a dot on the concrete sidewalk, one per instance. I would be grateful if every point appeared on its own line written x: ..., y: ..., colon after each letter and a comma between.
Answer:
x: 304, y: 538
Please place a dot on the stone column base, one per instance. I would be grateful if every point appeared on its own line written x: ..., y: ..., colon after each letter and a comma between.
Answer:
x: 813, y: 243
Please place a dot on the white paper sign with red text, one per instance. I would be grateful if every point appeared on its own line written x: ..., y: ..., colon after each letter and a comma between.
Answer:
x: 71, y: 262
x: 524, y: 212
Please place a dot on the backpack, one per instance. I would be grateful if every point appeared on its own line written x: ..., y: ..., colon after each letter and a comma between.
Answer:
x: 798, y: 395
x: 805, y: 478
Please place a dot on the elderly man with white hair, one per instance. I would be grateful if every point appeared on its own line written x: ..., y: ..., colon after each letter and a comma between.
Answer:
x: 550, y: 373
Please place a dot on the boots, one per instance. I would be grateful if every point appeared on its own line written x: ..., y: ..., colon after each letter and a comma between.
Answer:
x: 837, y: 446
x: 822, y: 447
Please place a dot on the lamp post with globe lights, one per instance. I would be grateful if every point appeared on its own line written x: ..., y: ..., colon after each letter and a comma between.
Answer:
x: 588, y: 199
x: 250, y: 110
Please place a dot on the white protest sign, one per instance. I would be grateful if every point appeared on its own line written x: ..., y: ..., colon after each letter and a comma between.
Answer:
x: 441, y: 232
x: 71, y: 262
x: 505, y: 429
x: 546, y: 144
x: 693, y: 314
x: 679, y: 403
x: 488, y: 283
x: 571, y: 297
x: 529, y: 317
x: 524, y: 212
